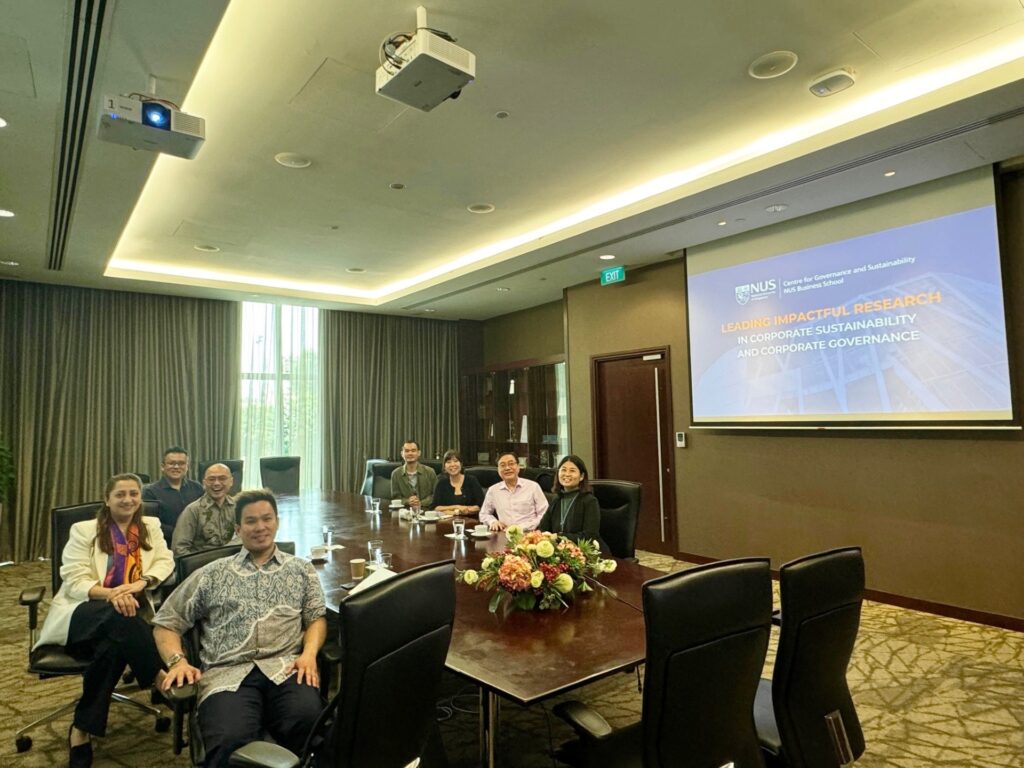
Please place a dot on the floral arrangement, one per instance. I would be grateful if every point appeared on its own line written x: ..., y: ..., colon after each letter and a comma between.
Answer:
x: 537, y: 570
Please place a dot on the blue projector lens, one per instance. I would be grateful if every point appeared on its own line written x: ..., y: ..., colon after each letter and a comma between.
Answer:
x: 157, y: 116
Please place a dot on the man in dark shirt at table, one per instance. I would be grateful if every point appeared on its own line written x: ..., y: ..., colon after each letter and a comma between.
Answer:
x: 413, y: 482
x: 173, y: 491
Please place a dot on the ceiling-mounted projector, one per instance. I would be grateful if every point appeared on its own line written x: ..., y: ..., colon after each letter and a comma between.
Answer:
x: 424, y: 68
x: 145, y: 122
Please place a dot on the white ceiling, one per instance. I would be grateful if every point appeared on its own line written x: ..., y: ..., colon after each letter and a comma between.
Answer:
x: 603, y: 97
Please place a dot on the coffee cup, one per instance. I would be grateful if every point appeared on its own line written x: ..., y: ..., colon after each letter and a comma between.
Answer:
x: 358, y: 566
x: 431, y: 515
x: 318, y: 552
x: 481, y: 528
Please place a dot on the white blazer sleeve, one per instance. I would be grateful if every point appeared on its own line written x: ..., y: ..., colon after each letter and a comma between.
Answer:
x: 77, y: 570
x: 160, y: 561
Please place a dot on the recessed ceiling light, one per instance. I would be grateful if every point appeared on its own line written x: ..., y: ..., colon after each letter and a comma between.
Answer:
x: 775, y: 208
x: 10, y: 263
x: 428, y: 311
x: 480, y: 208
x: 606, y: 256
x: 501, y: 114
x: 5, y: 214
x: 292, y: 160
x: 774, y: 64
x: 722, y: 223
x: 889, y: 174
x: 334, y: 227
x: 206, y: 248
x: 502, y: 289
x: 396, y: 185
x: 3, y: 123
x: 355, y: 270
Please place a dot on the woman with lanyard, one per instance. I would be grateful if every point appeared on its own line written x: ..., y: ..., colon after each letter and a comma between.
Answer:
x: 107, y: 567
x: 575, y: 513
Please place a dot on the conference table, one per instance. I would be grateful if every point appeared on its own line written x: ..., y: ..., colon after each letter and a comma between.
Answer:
x: 524, y: 656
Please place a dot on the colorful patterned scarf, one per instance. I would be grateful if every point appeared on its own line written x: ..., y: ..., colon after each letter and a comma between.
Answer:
x: 125, y: 564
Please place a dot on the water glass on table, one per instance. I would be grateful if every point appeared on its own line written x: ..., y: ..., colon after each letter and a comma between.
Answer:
x: 383, y: 559
x: 328, y: 535
x: 376, y: 506
x: 459, y: 526
x: 373, y: 548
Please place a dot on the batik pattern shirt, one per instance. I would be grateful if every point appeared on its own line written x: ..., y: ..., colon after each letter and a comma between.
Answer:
x: 250, y: 615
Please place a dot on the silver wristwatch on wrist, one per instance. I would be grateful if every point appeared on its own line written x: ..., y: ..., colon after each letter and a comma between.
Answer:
x: 175, y: 658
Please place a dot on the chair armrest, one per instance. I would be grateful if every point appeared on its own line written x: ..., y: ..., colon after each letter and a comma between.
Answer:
x: 31, y: 595
x: 183, y: 695
x: 587, y: 723
x: 263, y: 754
x: 31, y: 598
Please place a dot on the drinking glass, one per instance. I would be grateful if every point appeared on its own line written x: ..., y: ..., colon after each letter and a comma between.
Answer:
x: 376, y: 506
x: 373, y: 548
x: 459, y: 525
x: 328, y: 536
x: 383, y: 559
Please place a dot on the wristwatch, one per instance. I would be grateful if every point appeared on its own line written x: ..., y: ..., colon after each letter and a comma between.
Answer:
x: 174, y: 660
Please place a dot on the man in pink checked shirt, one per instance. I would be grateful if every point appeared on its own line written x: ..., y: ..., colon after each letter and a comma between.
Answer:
x: 513, y: 501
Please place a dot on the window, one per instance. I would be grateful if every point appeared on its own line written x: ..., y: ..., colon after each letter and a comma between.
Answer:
x: 280, y: 389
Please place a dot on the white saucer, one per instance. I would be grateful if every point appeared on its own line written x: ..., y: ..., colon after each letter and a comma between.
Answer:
x: 430, y: 519
x: 454, y: 536
x: 484, y: 535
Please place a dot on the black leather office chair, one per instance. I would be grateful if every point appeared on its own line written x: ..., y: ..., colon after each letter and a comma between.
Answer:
x: 235, y: 465
x: 543, y: 476
x: 394, y: 641
x: 707, y: 634
x: 620, y: 510
x: 48, y: 661
x: 486, y: 475
x: 143, y: 477
x: 281, y: 474
x: 377, y: 481
x: 805, y: 715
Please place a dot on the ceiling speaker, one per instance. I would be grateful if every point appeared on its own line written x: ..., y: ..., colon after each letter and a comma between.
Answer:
x: 774, y: 64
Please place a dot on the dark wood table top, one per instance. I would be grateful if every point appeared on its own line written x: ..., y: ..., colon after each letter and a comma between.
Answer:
x: 526, y: 656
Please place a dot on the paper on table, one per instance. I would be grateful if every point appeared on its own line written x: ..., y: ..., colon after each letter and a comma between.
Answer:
x: 335, y: 546
x: 376, y: 577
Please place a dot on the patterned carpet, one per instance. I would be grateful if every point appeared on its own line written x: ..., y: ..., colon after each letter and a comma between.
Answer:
x: 930, y: 692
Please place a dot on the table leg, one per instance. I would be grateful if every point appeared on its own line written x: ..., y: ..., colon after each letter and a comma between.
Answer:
x: 488, y: 735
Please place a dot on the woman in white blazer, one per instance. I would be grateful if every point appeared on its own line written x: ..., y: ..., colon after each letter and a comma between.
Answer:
x: 107, y: 566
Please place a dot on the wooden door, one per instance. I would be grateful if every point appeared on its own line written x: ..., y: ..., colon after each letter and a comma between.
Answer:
x: 633, y: 437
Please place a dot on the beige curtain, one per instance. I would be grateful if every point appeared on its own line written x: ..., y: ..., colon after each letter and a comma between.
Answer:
x: 98, y: 382
x: 385, y: 379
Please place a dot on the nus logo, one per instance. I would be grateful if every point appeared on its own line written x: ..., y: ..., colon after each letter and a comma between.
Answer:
x: 749, y: 292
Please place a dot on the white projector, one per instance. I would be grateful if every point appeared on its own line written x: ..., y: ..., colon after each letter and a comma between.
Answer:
x: 433, y: 69
x: 152, y: 125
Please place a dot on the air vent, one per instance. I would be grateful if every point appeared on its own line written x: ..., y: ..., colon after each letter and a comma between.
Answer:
x: 83, y: 52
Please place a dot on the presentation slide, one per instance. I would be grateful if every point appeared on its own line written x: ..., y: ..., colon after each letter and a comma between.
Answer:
x: 901, y: 325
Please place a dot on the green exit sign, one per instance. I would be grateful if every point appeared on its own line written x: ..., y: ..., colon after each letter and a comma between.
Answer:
x: 613, y: 275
